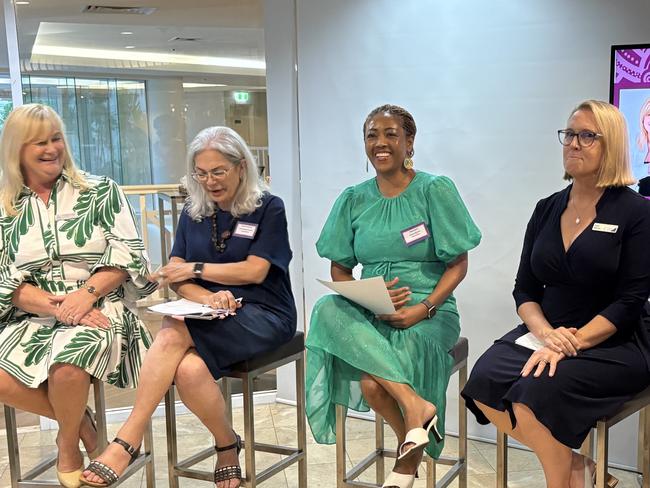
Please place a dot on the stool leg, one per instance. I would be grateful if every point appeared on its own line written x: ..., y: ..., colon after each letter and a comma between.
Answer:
x: 380, y: 446
x: 226, y: 391
x: 601, y: 451
x: 249, y: 432
x: 644, y: 432
x: 12, y: 446
x: 341, y: 465
x: 301, y: 421
x: 150, y: 472
x: 502, y: 460
x: 587, y: 448
x: 172, y: 444
x: 100, y: 412
x: 431, y: 471
x: 462, y: 427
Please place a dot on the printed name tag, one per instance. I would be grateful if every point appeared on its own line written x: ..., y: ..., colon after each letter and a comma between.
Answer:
x: 415, y: 234
x: 65, y: 216
x: 605, y: 228
x: 245, y: 230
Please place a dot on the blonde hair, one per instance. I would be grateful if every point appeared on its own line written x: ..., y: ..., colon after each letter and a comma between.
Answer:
x: 642, y: 140
x: 615, y: 163
x: 26, y: 124
x: 231, y: 145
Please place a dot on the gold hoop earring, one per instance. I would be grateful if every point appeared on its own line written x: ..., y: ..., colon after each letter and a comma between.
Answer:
x: 408, y: 163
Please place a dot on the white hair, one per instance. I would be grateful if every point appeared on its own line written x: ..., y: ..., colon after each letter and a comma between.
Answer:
x: 231, y: 145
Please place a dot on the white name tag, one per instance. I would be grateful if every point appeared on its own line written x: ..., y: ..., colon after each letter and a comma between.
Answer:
x: 245, y: 230
x: 609, y: 228
x: 415, y: 234
x: 65, y: 216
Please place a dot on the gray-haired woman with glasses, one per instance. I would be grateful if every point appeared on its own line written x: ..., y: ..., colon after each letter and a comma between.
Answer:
x: 581, y: 289
x: 232, y: 242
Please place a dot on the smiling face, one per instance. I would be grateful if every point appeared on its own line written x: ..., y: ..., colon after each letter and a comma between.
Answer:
x: 222, y: 190
x: 387, y: 144
x: 582, y: 162
x: 646, y: 123
x: 41, y: 160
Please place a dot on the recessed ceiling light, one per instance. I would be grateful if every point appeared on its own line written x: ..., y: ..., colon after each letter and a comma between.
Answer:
x: 22, y: 3
x: 126, y: 33
x: 129, y: 47
x: 202, y: 85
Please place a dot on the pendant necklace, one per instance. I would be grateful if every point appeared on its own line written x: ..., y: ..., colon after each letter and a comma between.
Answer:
x: 219, y: 239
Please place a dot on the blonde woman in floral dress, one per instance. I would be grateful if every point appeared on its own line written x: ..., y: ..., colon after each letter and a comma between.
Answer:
x: 71, y: 267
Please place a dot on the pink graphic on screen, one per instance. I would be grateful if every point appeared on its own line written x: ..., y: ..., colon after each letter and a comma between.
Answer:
x: 631, y: 70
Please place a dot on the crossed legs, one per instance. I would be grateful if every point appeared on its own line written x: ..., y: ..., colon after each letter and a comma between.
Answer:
x: 402, y: 408
x: 562, y: 467
x: 62, y: 398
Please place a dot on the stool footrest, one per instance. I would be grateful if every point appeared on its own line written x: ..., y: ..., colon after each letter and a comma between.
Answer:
x: 362, y: 465
x: 40, y: 468
x: 450, y: 475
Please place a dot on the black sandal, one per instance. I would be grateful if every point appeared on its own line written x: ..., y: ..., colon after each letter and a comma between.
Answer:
x: 226, y: 473
x: 106, y: 473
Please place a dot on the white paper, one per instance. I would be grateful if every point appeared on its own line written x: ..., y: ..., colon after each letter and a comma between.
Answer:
x: 529, y: 341
x: 370, y: 293
x: 184, y: 307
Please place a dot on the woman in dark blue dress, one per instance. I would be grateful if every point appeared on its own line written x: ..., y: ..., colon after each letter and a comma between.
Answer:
x: 581, y: 288
x: 232, y: 242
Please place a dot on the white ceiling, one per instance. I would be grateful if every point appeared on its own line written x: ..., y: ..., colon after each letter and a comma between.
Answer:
x: 230, y: 29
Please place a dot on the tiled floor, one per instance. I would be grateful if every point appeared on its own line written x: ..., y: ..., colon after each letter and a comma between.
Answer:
x: 277, y: 423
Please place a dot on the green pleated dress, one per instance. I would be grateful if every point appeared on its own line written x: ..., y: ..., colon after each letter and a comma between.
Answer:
x: 346, y: 340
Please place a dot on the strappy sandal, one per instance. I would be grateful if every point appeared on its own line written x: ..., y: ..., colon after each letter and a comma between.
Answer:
x: 106, y: 473
x: 226, y: 473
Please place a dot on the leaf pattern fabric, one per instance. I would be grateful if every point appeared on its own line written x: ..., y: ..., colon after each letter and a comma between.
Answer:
x: 57, y: 247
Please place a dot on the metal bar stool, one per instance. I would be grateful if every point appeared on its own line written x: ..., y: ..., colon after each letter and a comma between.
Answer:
x: 247, y: 371
x: 345, y: 479
x: 29, y: 479
x: 640, y: 403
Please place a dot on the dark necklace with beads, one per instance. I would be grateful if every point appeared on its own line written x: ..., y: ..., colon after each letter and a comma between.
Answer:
x: 219, y: 239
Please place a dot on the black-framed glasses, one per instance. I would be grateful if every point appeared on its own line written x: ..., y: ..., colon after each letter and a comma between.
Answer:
x: 585, y: 137
x: 217, y: 174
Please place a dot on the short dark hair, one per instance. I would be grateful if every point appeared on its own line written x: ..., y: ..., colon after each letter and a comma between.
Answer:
x: 408, y: 123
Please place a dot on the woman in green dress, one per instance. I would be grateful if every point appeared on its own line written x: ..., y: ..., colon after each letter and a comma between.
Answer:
x: 412, y: 229
x: 72, y: 266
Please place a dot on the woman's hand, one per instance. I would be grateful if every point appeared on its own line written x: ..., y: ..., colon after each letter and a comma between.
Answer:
x: 222, y: 299
x: 173, y: 273
x: 75, y: 306
x: 540, y: 359
x: 405, y: 317
x: 399, y: 296
x: 562, y: 340
x: 95, y: 318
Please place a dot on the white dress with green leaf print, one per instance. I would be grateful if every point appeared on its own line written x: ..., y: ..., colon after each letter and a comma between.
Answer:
x: 57, y: 247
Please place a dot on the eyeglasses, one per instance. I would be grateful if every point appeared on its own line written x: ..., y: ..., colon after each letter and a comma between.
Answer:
x: 585, y: 137
x: 217, y: 174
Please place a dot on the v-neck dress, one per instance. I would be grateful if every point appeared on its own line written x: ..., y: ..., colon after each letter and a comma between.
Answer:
x: 606, y: 272
x: 346, y: 340
x: 56, y: 247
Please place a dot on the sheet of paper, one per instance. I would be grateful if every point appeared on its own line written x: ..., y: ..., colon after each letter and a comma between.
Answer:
x: 370, y: 293
x: 187, y: 307
x: 529, y: 341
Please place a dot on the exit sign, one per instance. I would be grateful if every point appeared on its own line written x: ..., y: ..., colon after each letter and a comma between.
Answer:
x: 242, y: 96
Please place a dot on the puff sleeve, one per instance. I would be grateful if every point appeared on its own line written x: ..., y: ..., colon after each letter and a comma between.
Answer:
x: 453, y: 230
x: 336, y: 241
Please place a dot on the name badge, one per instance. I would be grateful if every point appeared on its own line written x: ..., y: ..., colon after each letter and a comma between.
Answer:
x: 415, y: 234
x: 65, y: 216
x: 245, y: 230
x: 609, y: 228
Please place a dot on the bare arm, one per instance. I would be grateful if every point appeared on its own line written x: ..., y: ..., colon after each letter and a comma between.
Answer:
x: 450, y: 279
x: 32, y: 299
x: 253, y: 270
x: 340, y: 272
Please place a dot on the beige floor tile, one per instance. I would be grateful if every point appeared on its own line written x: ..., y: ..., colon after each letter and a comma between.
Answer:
x: 626, y: 479
x: 39, y: 438
x: 518, y: 459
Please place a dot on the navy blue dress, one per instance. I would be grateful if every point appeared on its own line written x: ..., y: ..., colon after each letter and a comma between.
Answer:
x: 602, y: 273
x: 267, y: 318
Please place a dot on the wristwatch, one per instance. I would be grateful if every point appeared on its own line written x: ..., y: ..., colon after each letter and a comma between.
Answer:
x: 431, y: 308
x: 198, y: 269
x: 92, y: 290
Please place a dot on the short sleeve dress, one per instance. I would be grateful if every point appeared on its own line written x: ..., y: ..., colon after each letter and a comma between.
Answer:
x: 57, y: 247
x: 346, y: 340
x: 267, y: 318
x: 604, y: 272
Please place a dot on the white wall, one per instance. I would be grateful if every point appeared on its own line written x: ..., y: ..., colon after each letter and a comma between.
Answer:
x: 488, y: 84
